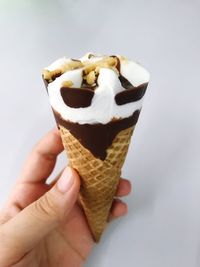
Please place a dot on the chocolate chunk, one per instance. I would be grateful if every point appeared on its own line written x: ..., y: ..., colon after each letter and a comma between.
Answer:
x: 77, y: 97
x: 131, y: 95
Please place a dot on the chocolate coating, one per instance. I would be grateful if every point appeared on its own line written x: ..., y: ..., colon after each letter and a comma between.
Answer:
x: 97, y: 137
x: 77, y: 97
x: 131, y: 95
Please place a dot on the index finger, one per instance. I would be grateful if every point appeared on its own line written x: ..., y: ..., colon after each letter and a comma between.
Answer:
x: 40, y: 163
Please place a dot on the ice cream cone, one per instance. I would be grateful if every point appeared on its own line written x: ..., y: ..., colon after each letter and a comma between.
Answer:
x: 96, y: 102
x: 99, y: 178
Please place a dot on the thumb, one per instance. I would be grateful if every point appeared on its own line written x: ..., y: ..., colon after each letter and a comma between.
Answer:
x: 28, y: 227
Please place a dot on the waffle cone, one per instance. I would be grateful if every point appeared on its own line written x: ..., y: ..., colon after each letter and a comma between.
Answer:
x: 99, y: 178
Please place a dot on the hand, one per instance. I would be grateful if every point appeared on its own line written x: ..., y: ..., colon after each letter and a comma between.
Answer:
x: 43, y: 224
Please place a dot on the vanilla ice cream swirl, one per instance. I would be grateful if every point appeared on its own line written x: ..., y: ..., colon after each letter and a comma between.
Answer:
x: 95, y: 88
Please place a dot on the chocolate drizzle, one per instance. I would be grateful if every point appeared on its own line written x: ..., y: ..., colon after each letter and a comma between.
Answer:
x: 97, y: 137
x: 125, y: 83
x: 77, y: 97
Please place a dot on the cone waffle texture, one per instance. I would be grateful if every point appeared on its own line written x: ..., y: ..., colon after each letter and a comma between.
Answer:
x: 99, y: 178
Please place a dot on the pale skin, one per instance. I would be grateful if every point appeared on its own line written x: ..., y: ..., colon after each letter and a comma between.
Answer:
x: 43, y: 225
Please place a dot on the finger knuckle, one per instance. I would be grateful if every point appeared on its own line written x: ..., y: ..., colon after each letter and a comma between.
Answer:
x: 47, y: 208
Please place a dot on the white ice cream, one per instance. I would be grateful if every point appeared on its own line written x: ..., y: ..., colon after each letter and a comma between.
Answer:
x: 103, y: 107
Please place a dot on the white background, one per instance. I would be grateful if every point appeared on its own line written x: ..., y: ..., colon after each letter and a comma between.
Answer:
x: 163, y: 224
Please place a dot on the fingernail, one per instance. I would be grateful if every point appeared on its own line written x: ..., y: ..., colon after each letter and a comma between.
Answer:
x: 66, y: 180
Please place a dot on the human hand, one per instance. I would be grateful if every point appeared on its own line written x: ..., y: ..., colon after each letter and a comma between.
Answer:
x: 43, y: 224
